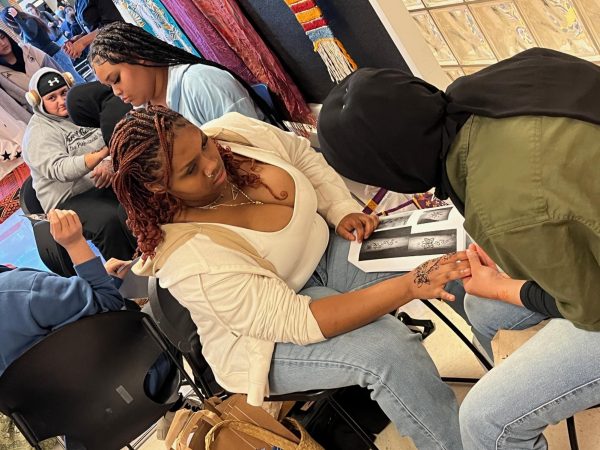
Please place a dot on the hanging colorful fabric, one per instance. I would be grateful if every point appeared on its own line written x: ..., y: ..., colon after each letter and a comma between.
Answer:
x: 332, y: 52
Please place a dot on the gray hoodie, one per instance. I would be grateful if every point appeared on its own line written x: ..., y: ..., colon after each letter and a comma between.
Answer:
x: 54, y: 148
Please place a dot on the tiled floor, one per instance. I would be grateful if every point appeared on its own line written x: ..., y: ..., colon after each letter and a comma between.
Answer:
x: 454, y: 359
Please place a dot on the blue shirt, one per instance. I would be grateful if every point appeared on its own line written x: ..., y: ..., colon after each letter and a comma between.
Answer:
x: 201, y: 93
x: 34, y: 303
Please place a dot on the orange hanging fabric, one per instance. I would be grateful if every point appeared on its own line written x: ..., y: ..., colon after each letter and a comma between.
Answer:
x: 337, y: 60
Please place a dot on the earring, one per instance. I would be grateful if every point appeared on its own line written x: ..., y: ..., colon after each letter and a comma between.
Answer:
x: 209, y: 175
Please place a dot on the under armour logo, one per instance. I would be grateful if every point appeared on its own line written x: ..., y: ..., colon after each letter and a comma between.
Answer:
x: 53, y: 81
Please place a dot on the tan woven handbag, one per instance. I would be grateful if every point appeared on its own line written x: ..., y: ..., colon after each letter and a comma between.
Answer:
x: 233, y: 424
x: 211, y: 440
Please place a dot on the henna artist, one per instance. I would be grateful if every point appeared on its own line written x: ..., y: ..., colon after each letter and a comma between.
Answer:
x: 516, y: 146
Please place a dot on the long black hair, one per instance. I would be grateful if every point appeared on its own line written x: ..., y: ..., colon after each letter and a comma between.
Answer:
x: 16, y: 49
x: 25, y: 16
x: 121, y: 42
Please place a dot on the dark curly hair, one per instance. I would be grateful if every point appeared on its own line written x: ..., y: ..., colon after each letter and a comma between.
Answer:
x: 142, y: 150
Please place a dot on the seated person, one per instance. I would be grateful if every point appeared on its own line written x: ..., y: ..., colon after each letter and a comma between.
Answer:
x: 69, y: 169
x: 18, y: 63
x: 143, y: 70
x: 34, y: 302
x: 233, y: 220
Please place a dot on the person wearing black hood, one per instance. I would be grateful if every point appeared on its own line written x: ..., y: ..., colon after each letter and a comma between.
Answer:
x: 516, y: 147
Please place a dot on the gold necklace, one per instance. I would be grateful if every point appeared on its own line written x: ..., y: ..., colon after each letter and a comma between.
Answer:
x: 235, y: 191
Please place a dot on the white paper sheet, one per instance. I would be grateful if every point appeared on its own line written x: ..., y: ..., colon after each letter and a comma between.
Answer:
x: 404, y: 240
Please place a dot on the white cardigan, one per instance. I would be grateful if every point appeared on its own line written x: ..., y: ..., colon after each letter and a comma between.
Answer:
x: 240, y: 308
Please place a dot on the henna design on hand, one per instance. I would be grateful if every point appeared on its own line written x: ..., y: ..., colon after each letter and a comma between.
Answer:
x: 423, y: 271
x: 447, y: 256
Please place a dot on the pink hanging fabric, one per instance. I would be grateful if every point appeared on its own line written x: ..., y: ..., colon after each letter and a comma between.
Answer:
x: 206, y: 39
x: 230, y: 22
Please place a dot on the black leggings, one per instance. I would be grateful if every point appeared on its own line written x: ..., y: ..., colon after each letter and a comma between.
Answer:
x: 103, y: 220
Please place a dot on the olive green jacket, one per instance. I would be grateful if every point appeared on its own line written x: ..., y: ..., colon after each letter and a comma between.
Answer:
x: 531, y: 190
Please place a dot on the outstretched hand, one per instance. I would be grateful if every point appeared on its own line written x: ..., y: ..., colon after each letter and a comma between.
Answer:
x: 429, y: 279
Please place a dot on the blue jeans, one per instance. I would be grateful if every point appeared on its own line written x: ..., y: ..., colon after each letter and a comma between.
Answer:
x: 551, y: 377
x: 65, y: 63
x: 383, y: 356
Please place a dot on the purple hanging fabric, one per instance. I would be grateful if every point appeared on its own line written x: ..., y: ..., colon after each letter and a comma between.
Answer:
x: 206, y: 38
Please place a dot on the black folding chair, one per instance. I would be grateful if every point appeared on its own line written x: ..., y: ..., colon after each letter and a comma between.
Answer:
x: 85, y: 381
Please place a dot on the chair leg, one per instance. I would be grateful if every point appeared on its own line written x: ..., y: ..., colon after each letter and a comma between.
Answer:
x: 459, y: 333
x: 572, y: 433
x: 358, y: 430
x: 160, y: 341
x: 460, y: 380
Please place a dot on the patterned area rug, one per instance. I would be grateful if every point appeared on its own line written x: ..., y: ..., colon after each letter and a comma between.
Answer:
x: 9, y: 191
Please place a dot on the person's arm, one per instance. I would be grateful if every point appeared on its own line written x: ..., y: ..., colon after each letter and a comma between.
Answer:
x: 534, y: 298
x: 487, y: 281
x: 57, y: 300
x: 77, y: 45
x: 92, y: 159
x: 266, y: 308
x: 47, y: 152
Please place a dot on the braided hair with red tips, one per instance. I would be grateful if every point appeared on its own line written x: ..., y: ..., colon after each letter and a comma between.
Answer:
x: 142, y: 150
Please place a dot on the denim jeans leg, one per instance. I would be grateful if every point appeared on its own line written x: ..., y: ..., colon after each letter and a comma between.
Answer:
x: 64, y: 62
x: 488, y: 316
x: 388, y: 359
x: 551, y: 377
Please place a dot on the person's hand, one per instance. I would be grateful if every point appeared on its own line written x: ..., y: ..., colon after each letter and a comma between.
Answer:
x: 66, y: 228
x: 117, y: 268
x: 103, y: 174
x: 485, y: 276
x: 428, y: 280
x: 364, y: 224
x: 74, y: 49
x: 12, y: 12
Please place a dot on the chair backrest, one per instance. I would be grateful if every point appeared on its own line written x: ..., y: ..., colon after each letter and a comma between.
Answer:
x: 86, y: 381
x: 28, y: 199
x: 177, y: 325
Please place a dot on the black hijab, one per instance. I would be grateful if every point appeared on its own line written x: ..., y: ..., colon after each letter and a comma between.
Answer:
x: 387, y: 128
x: 95, y: 105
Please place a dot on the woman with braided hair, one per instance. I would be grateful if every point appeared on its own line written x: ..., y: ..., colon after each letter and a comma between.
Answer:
x: 143, y: 70
x: 233, y: 220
